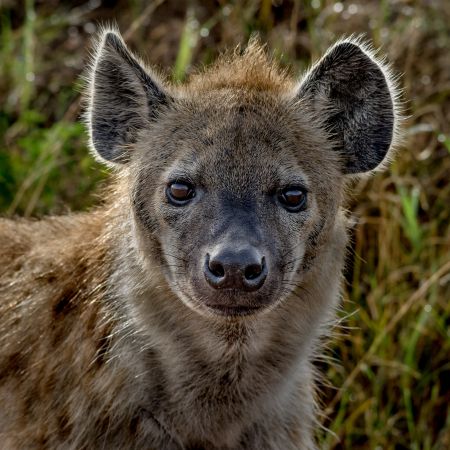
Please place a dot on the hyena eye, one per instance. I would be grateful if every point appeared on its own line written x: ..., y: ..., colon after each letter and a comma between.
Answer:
x: 180, y: 192
x: 293, y: 198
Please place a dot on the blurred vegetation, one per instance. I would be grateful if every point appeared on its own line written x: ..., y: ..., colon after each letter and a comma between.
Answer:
x: 390, y: 358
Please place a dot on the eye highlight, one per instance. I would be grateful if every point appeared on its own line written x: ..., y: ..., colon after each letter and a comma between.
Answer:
x: 293, y: 198
x: 179, y: 193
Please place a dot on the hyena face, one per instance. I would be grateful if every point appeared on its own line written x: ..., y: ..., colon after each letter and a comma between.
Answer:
x: 236, y: 178
x: 236, y: 204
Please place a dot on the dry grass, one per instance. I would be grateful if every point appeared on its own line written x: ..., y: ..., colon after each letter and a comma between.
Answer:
x: 391, y: 356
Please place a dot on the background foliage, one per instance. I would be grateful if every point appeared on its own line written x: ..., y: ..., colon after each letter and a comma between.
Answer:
x: 390, y: 355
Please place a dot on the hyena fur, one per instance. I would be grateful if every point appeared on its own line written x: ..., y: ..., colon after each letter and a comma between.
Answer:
x: 184, y: 312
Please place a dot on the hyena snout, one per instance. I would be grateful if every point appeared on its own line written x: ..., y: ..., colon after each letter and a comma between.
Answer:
x: 237, y: 267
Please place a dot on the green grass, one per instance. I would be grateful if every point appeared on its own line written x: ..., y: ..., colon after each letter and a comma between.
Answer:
x: 188, y: 41
x: 390, y: 361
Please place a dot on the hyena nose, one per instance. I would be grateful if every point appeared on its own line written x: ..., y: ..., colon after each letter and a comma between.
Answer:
x: 244, y: 269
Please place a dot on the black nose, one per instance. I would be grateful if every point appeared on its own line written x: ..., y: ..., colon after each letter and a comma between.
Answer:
x: 244, y: 269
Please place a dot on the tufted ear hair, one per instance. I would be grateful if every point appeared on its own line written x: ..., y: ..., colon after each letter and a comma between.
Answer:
x: 123, y: 97
x: 351, y: 92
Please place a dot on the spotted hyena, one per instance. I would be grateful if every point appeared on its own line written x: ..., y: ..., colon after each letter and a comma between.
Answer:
x: 184, y: 311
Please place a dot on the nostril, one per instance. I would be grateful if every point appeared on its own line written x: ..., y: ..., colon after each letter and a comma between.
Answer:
x: 253, y: 271
x: 216, y: 269
x: 214, y: 273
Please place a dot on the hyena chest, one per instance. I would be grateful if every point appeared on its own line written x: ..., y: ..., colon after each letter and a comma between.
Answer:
x: 218, y: 405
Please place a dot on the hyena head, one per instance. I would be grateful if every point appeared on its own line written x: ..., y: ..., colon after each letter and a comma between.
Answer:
x: 236, y: 177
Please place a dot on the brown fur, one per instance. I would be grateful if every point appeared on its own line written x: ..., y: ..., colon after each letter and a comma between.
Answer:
x: 249, y: 70
x: 104, y: 339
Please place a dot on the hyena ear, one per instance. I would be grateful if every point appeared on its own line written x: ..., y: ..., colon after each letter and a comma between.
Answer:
x: 350, y: 91
x: 123, y: 97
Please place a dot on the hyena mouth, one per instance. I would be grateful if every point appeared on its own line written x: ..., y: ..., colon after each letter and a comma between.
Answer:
x: 234, y: 310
